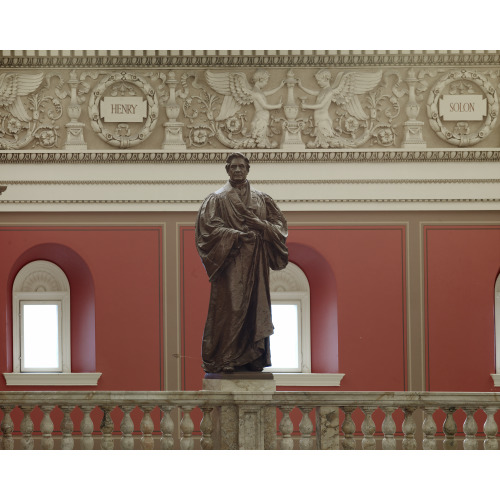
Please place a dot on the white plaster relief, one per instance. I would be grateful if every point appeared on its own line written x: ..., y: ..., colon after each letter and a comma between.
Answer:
x: 291, y: 107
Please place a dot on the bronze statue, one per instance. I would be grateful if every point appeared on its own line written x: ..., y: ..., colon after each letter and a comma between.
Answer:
x: 240, y: 234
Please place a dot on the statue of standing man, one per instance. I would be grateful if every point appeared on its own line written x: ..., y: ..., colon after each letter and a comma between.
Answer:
x: 240, y: 234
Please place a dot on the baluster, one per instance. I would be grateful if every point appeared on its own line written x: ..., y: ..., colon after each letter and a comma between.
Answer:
x: 305, y: 428
x: 286, y: 428
x: 127, y: 427
x: 470, y: 429
x: 87, y: 428
x: 67, y: 441
x: 27, y: 442
x: 409, y: 428
x: 449, y: 428
x: 167, y: 428
x: 207, y: 428
x: 47, y: 428
x: 187, y: 428
x: 389, y: 428
x: 490, y: 429
x: 348, y: 428
x: 368, y: 428
x: 147, y: 428
x: 107, y: 428
x: 7, y: 427
x: 429, y: 429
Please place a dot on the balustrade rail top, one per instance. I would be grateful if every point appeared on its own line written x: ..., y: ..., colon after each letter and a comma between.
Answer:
x: 199, y: 398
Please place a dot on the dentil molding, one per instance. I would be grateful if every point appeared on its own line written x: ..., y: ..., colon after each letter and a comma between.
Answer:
x: 203, y: 157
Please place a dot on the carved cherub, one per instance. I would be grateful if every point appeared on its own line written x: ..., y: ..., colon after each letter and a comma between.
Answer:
x: 237, y: 92
x: 344, y: 92
x: 12, y: 87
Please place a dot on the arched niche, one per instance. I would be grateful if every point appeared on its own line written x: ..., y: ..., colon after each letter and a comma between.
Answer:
x: 83, y: 359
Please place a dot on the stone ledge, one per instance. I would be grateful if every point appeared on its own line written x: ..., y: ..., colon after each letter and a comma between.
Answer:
x: 52, y: 379
x: 240, y: 382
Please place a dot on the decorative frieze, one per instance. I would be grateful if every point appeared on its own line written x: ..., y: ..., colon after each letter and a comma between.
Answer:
x: 297, y: 103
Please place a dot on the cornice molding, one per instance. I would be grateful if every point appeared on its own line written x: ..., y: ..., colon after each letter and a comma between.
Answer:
x: 202, y: 182
x: 336, y: 156
x: 295, y: 201
x: 213, y: 59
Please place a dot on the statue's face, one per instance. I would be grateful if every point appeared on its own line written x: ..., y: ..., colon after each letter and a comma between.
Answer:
x: 237, y: 170
x: 323, y: 79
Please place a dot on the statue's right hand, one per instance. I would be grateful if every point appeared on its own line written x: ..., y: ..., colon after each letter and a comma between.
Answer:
x: 248, y: 237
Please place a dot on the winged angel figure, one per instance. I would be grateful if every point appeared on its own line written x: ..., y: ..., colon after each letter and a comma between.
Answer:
x: 238, y: 92
x: 344, y: 92
x: 13, y: 86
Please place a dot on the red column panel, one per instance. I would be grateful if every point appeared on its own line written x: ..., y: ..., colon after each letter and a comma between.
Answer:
x: 461, y: 266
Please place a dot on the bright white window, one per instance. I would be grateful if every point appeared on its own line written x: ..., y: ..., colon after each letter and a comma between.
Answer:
x: 41, y: 336
x: 285, y: 342
x: 41, y: 319
x: 290, y: 304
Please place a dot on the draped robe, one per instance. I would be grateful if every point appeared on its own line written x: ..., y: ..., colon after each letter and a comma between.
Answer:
x: 239, y: 322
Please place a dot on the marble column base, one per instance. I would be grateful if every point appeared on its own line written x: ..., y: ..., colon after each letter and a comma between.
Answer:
x: 247, y: 424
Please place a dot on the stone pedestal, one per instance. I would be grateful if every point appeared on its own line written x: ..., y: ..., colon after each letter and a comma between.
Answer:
x: 74, y: 136
x: 248, y: 424
x: 413, y: 135
x: 291, y: 136
x: 173, y: 136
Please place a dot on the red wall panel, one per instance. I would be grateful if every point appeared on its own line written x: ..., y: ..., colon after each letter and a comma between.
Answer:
x: 124, y: 266
x: 461, y: 266
x: 368, y: 268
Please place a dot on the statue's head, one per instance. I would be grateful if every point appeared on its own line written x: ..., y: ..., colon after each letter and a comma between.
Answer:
x: 237, y: 167
x: 323, y: 75
x: 261, y: 76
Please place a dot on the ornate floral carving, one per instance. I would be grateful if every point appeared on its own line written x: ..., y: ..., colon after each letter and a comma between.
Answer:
x: 18, y: 128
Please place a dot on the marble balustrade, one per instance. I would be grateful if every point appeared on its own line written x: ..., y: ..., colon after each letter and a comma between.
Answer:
x: 305, y: 420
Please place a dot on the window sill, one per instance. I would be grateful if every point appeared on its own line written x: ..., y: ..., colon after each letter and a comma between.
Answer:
x: 496, y: 379
x: 308, y: 379
x: 52, y: 378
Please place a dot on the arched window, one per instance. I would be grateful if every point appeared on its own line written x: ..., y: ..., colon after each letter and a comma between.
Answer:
x: 41, y: 328
x: 291, y: 341
x: 41, y: 319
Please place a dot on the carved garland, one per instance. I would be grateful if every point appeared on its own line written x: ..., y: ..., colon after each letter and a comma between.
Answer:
x: 116, y: 138
x: 457, y: 138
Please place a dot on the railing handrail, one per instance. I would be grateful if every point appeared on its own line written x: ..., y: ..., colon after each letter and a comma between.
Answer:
x: 316, y: 398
